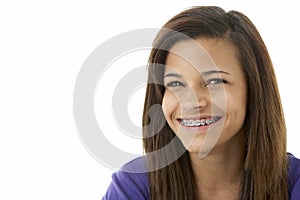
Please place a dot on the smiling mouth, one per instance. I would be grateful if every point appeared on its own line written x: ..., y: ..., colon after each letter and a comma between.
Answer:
x: 199, y: 122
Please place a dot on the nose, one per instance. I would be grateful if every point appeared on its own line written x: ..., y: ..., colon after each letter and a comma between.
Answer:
x: 194, y: 99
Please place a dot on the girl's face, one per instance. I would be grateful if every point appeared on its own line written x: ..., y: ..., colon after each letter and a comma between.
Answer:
x: 206, y: 94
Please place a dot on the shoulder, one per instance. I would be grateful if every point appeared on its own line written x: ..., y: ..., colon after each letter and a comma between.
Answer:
x: 130, y: 182
x: 294, y: 177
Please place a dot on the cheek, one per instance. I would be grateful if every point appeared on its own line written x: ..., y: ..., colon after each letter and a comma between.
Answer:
x: 236, y: 105
x: 169, y: 104
x: 240, y: 100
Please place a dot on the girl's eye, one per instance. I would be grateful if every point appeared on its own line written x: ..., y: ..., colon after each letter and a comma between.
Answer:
x: 215, y: 81
x: 174, y: 84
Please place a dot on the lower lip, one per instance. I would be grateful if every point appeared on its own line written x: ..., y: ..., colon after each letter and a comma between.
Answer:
x: 197, y: 128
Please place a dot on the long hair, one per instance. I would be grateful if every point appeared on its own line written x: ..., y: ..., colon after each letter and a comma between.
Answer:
x: 265, y: 164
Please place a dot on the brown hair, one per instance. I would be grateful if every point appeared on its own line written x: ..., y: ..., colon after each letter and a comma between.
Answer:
x: 265, y: 164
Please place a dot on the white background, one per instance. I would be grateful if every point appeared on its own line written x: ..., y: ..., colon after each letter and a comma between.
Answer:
x: 42, y: 47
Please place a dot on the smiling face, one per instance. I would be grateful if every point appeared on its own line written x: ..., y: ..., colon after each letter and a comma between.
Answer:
x: 205, y: 97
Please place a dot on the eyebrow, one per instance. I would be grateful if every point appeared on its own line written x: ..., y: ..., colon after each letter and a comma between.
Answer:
x: 173, y: 75
x: 204, y: 73
x: 214, y: 72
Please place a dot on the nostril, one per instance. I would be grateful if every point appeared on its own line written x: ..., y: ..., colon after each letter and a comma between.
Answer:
x: 194, y: 104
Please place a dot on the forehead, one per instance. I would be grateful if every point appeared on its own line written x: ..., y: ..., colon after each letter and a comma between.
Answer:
x: 202, y: 55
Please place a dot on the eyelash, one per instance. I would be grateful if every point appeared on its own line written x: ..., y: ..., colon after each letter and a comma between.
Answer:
x: 214, y: 81
x: 175, y: 84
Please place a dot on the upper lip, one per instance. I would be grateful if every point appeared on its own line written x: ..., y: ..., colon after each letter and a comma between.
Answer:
x: 198, y: 117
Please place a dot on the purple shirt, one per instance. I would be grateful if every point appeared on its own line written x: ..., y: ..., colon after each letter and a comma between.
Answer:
x: 135, y: 186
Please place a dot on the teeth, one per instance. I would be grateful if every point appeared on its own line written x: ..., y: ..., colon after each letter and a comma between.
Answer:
x: 209, y: 121
x: 198, y: 122
x: 202, y: 122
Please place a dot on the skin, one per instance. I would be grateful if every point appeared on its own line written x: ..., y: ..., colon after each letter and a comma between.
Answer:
x: 217, y: 149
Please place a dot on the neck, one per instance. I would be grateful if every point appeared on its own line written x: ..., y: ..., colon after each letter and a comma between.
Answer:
x: 222, y: 168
